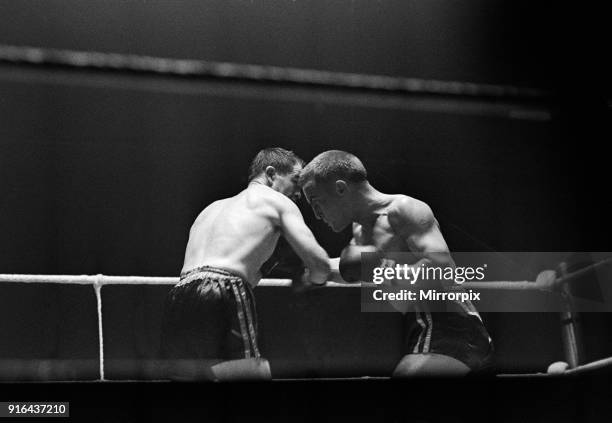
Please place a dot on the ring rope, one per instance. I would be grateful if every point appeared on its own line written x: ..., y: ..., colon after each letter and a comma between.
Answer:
x: 588, y: 368
x: 160, y: 280
x: 546, y: 284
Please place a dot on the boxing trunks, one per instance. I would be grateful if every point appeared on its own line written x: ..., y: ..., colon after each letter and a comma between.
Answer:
x: 210, y: 314
x: 457, y: 331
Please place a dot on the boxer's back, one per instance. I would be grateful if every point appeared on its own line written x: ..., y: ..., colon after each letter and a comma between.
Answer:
x: 237, y: 233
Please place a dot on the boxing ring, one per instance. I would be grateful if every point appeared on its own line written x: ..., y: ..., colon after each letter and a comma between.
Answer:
x: 219, y: 79
x: 547, y: 281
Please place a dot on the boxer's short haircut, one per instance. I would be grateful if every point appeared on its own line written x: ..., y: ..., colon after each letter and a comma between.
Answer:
x: 334, y: 164
x: 280, y: 159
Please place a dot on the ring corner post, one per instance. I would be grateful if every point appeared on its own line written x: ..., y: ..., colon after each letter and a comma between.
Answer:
x: 571, y: 332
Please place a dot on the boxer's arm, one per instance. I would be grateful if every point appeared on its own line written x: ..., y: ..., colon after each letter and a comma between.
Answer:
x: 335, y: 276
x: 304, y: 243
x: 414, y: 221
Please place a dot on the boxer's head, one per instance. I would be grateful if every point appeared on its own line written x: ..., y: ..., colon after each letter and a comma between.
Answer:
x: 329, y: 182
x: 279, y: 169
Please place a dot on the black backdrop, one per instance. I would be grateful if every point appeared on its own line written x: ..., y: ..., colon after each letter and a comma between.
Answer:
x: 99, y: 179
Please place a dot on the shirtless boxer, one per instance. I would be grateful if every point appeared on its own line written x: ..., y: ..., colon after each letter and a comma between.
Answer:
x: 210, y: 327
x: 436, y: 343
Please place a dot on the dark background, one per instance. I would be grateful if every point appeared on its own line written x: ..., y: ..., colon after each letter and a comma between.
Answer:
x: 99, y: 178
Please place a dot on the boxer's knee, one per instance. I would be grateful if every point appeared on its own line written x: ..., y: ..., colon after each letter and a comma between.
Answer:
x: 243, y: 369
x: 419, y: 365
x: 183, y: 370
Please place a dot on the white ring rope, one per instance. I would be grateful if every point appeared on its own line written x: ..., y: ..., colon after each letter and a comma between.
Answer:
x: 546, y: 281
x: 162, y: 280
x: 114, y: 280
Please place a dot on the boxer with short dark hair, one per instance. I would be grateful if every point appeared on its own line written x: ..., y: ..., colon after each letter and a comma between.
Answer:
x: 210, y: 327
x: 450, y: 342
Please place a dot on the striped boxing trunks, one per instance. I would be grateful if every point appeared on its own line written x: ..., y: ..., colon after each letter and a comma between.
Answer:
x: 210, y: 315
x: 456, y: 331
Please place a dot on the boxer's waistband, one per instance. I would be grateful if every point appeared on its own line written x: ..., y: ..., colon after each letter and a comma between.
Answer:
x: 209, y: 272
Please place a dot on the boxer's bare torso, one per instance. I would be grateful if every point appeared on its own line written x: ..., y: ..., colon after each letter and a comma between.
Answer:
x: 237, y: 233
x: 402, y: 224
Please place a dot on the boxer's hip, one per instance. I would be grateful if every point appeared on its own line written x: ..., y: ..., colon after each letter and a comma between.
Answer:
x: 458, y: 334
x: 211, y: 286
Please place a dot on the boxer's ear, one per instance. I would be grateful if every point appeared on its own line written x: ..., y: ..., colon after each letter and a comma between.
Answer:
x: 341, y: 187
x: 270, y: 173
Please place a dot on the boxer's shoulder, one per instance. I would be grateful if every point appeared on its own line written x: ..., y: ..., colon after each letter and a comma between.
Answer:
x: 215, y: 205
x: 405, y: 211
x: 279, y: 207
x: 264, y: 195
x: 211, y: 209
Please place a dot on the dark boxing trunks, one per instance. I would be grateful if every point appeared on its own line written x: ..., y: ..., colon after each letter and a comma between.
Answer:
x: 458, y: 333
x: 210, y: 314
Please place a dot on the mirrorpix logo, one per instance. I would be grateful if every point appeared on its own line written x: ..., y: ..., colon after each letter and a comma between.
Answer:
x: 397, y: 275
